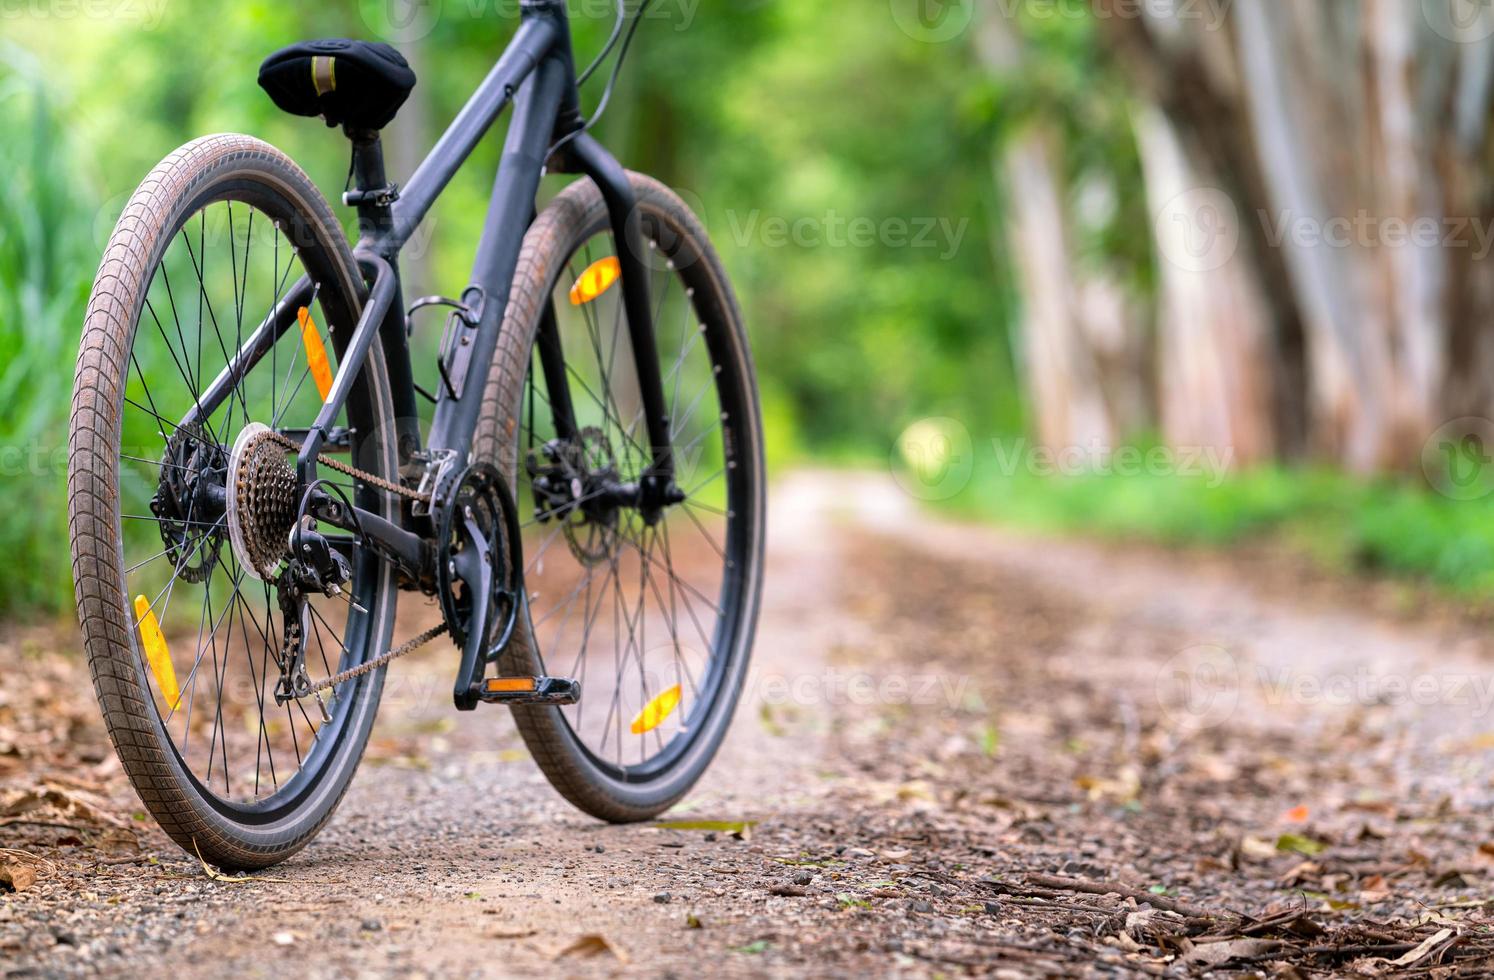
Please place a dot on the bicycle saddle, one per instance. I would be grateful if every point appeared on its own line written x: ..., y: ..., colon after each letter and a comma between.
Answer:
x: 357, y: 83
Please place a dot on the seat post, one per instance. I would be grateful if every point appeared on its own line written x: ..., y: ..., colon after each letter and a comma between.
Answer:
x: 372, y: 193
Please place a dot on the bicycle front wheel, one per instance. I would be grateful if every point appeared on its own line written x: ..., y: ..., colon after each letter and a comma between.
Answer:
x: 655, y: 619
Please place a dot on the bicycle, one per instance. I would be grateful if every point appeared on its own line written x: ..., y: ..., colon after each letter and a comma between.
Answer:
x: 587, y: 487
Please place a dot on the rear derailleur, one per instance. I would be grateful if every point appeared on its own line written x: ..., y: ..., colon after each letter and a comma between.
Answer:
x: 314, y: 567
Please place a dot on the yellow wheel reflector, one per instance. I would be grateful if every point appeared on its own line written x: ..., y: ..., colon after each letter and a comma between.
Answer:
x: 654, y: 713
x: 316, y: 353
x: 496, y: 685
x: 156, y: 654
x: 596, y: 280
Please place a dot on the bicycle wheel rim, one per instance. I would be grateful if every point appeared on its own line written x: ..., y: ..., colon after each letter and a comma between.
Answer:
x: 677, y: 274
x: 247, y: 201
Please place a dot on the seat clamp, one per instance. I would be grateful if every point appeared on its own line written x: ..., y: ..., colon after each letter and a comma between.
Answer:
x: 379, y: 197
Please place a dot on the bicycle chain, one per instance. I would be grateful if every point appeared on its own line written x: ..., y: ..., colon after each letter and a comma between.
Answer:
x: 355, y: 473
x: 409, y: 646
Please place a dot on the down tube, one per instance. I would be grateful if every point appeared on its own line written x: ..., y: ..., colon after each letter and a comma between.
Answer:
x: 509, y: 214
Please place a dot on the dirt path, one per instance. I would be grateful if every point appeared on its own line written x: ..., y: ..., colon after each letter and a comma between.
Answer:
x: 956, y: 742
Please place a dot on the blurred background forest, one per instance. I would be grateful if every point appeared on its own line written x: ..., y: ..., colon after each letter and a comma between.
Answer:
x: 1184, y: 269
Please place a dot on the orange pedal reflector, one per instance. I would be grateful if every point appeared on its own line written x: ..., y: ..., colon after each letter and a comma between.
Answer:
x: 509, y: 685
x: 654, y: 713
x: 596, y: 280
x: 316, y: 353
x: 156, y: 652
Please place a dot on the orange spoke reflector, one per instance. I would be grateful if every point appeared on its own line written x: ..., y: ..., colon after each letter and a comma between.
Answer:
x: 596, y: 280
x: 316, y: 353
x: 156, y: 653
x: 654, y: 713
x: 496, y: 685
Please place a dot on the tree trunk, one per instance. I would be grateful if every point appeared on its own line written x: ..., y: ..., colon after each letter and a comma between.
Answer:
x: 1213, y: 344
x: 1352, y: 138
x: 1080, y: 338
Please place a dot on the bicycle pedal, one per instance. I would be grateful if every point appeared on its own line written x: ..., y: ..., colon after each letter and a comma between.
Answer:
x: 530, y: 690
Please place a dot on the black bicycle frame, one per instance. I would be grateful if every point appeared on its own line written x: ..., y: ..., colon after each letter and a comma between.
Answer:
x: 536, y: 74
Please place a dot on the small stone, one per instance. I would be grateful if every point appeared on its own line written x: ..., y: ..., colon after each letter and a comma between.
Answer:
x: 993, y: 908
x: 662, y: 898
x: 803, y: 877
x: 372, y: 925
x: 600, y: 849
x: 921, y: 906
x: 283, y: 939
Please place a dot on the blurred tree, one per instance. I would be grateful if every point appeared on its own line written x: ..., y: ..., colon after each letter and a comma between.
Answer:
x: 1062, y: 153
x: 1352, y: 143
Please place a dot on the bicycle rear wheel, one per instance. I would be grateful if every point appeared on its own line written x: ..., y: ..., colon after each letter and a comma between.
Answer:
x: 655, y: 620
x: 185, y: 641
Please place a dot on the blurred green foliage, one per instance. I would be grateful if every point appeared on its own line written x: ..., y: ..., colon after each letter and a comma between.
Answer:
x: 46, y: 262
x: 846, y: 170
x: 1385, y: 526
x: 842, y: 167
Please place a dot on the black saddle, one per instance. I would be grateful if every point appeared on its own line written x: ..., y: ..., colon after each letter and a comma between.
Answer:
x: 357, y: 83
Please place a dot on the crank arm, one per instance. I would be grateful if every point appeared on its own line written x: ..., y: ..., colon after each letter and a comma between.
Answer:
x: 474, y: 566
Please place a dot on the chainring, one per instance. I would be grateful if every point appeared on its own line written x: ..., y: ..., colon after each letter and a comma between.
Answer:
x: 482, y: 489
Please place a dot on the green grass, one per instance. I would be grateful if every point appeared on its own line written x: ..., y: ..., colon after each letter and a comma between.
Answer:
x: 1398, y: 527
x: 46, y: 261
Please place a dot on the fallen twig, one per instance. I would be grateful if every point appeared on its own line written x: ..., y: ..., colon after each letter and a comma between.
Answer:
x: 1115, y: 888
x: 28, y: 822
